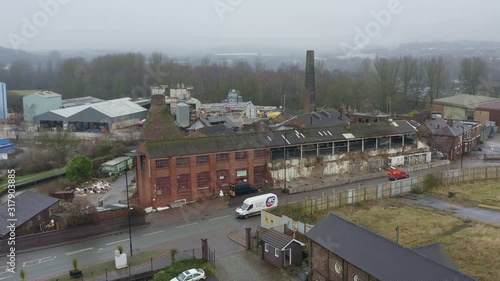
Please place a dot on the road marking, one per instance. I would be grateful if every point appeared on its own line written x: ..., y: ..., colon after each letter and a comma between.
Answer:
x: 38, y: 261
x: 152, y: 233
x: 3, y: 271
x: 187, y: 225
x: 111, y: 243
x: 219, y: 218
x: 100, y: 250
x: 5, y: 277
x: 78, y: 251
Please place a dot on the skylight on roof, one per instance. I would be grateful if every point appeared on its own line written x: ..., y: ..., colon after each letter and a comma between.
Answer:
x: 348, y: 136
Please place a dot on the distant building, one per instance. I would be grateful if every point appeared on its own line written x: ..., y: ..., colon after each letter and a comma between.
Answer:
x: 80, y: 101
x: 3, y: 101
x: 460, y: 107
x: 40, y: 102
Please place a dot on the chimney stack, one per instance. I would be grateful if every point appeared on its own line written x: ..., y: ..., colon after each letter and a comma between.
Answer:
x: 310, y: 95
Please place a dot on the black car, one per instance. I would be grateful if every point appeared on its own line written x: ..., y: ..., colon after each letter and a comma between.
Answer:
x: 241, y: 188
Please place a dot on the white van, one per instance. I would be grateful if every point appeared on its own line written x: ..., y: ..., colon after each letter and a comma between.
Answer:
x: 253, y: 205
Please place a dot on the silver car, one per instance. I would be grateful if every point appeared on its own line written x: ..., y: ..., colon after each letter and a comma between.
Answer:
x: 190, y: 275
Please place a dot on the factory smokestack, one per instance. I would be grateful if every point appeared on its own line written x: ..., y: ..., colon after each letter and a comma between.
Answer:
x: 310, y: 95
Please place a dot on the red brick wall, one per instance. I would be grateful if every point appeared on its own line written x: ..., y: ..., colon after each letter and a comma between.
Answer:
x: 146, y: 185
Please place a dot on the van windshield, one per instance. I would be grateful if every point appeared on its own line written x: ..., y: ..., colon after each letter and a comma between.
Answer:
x: 244, y: 206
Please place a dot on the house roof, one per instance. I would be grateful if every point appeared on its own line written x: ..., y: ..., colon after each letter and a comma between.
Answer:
x: 441, y: 127
x: 192, y: 146
x: 323, y: 118
x: 278, y: 240
x: 464, y: 101
x: 28, y: 205
x: 437, y: 253
x: 491, y: 105
x: 377, y: 255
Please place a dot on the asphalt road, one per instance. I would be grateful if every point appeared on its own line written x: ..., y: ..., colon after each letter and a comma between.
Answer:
x: 180, y: 228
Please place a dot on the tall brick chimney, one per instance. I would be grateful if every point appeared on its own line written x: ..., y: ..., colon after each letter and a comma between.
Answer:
x: 310, y: 85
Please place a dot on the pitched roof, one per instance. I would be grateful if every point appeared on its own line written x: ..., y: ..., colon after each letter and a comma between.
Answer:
x: 464, y: 101
x: 192, y: 146
x: 159, y: 124
x: 323, y: 118
x: 278, y: 240
x: 441, y: 127
x: 492, y: 105
x: 28, y: 205
x: 437, y: 253
x: 377, y: 255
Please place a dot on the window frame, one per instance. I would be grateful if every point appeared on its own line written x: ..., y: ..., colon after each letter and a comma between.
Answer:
x: 266, y: 247
x: 162, y: 161
x: 276, y: 252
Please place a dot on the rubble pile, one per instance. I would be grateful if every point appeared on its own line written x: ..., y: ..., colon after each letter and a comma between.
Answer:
x: 97, y: 187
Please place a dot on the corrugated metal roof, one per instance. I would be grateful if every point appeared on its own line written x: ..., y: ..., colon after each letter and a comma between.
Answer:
x: 377, y: 255
x: 111, y: 108
x: 464, y: 101
x: 191, y: 146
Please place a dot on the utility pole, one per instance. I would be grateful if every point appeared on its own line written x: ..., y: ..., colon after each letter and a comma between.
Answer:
x: 128, y: 212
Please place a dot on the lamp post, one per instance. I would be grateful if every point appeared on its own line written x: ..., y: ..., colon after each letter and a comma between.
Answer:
x: 284, y: 160
x: 462, y: 147
x: 128, y: 213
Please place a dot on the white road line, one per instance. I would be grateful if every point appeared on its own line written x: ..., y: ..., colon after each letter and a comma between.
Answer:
x: 152, y: 233
x: 38, y: 261
x: 187, y: 225
x: 78, y: 251
x: 219, y: 218
x: 5, y: 277
x: 111, y: 243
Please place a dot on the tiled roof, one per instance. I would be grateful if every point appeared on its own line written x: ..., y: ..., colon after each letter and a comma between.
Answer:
x: 192, y: 146
x: 377, y: 255
x: 278, y: 240
x: 28, y: 205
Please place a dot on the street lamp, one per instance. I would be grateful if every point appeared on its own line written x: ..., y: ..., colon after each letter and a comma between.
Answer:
x: 128, y: 212
x: 462, y: 147
x: 284, y: 160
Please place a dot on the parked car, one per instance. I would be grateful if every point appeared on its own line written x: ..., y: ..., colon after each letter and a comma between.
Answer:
x: 396, y: 174
x: 241, y: 188
x: 253, y: 205
x: 192, y: 274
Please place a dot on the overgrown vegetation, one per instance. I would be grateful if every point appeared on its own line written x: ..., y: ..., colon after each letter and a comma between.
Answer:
x: 79, y: 168
x: 79, y: 211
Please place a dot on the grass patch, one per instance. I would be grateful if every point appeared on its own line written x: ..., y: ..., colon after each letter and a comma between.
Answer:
x: 32, y: 177
x: 473, y: 246
x: 484, y: 192
x: 139, y: 259
x: 178, y: 267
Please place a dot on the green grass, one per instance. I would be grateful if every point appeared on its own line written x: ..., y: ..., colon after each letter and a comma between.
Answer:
x: 473, y: 193
x: 31, y: 177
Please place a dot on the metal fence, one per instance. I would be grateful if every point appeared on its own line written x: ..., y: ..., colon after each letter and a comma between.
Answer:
x: 144, y: 270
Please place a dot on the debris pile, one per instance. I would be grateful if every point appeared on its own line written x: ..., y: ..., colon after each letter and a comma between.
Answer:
x: 97, y: 187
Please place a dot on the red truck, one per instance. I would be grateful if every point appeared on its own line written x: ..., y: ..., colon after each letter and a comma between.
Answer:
x: 396, y: 174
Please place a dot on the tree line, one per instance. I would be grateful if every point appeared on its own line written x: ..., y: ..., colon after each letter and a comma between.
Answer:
x: 391, y: 85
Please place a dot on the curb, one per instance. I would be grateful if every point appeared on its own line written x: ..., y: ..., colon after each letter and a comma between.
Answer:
x: 495, y: 208
x: 235, y: 240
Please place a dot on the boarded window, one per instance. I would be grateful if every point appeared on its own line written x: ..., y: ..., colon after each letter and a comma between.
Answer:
x: 163, y: 186
x: 261, y: 153
x: 222, y: 158
x: 222, y: 177
x: 182, y: 162
x: 259, y: 174
x: 203, y: 180
x: 162, y: 164
x: 184, y: 184
x: 202, y: 159
x: 241, y: 155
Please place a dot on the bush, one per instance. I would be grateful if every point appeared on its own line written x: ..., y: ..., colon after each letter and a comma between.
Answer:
x: 120, y: 249
x: 431, y: 181
x: 79, y: 168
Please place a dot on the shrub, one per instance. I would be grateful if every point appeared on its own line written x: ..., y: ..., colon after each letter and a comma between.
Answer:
x: 431, y: 181
x: 75, y: 264
x: 120, y: 249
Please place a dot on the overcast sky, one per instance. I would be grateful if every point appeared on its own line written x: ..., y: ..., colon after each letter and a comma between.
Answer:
x: 189, y: 24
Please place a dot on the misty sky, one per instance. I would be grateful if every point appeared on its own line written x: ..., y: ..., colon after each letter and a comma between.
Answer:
x: 190, y: 25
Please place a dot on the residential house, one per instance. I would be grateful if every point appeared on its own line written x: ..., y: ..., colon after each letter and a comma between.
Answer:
x: 340, y: 250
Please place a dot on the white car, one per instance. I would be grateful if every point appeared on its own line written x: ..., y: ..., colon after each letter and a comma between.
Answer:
x: 190, y: 275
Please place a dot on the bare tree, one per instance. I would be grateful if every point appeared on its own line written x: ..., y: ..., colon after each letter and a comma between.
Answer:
x: 386, y: 80
x: 472, y: 70
x: 407, y: 73
x: 417, y: 84
x: 436, y: 74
